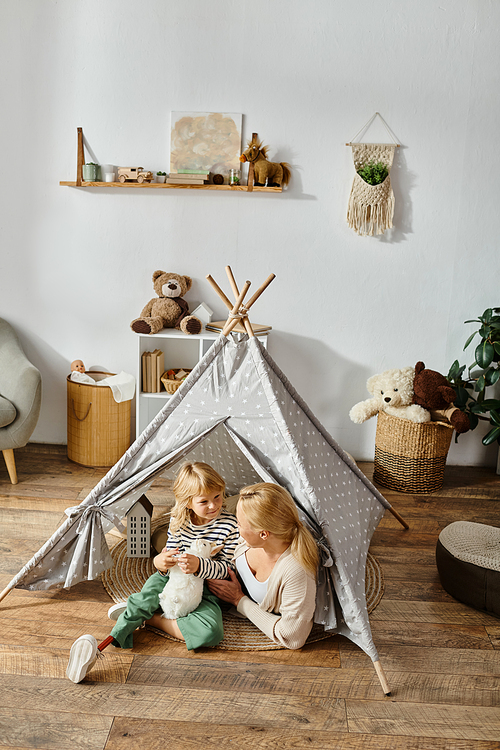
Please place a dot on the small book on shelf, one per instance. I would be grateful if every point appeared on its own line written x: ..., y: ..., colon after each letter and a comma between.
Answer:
x: 152, y: 365
x: 146, y: 367
x: 159, y: 368
x: 186, y: 180
x: 189, y: 172
x: 218, y: 325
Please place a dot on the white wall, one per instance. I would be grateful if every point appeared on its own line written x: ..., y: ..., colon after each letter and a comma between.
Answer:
x: 76, y: 265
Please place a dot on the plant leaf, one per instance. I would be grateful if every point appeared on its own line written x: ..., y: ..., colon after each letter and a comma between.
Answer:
x: 462, y: 398
x: 491, y: 436
x: 480, y: 384
x: 469, y: 340
x: 474, y: 421
x: 495, y: 376
x: 491, y: 376
x: 491, y: 403
x: 478, y: 408
x: 484, y: 354
x: 495, y: 418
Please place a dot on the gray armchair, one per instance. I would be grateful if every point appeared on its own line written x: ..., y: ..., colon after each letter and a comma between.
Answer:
x: 20, y: 397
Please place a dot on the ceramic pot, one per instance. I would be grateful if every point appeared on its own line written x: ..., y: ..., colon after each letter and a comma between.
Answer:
x: 89, y: 172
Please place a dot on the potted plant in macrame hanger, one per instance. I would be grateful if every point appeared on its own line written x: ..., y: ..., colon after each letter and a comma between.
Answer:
x: 482, y: 375
x: 371, y: 202
x: 374, y: 173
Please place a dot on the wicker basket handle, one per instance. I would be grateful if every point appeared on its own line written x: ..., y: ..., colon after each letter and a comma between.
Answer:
x: 74, y: 412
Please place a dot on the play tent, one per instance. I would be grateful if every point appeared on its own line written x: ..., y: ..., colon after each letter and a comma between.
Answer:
x: 238, y: 412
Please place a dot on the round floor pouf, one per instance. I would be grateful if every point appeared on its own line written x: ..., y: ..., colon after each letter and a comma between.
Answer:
x: 468, y: 561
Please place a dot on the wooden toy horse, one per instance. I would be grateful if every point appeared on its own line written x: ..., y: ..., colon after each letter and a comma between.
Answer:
x: 276, y: 174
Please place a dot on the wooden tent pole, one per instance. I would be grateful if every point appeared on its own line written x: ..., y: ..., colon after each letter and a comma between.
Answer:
x: 236, y: 307
x: 5, y: 592
x: 220, y: 292
x: 226, y: 301
x: 254, y: 298
x: 232, y: 281
x: 401, y: 520
x: 382, y: 678
x: 234, y: 285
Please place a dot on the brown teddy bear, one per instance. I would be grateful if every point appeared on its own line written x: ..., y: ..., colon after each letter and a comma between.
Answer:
x: 169, y: 310
x: 432, y: 391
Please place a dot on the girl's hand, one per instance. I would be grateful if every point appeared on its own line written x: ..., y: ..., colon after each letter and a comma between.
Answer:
x: 188, y: 563
x: 165, y: 560
x: 228, y: 591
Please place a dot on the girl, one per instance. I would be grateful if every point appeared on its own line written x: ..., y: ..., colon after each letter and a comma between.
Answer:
x: 277, y: 563
x: 197, y: 514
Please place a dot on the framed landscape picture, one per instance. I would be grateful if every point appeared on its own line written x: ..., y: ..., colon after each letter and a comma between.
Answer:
x: 208, y: 141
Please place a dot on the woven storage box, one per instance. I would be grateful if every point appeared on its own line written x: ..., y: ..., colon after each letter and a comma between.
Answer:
x: 98, y: 427
x: 410, y: 457
x: 171, y: 384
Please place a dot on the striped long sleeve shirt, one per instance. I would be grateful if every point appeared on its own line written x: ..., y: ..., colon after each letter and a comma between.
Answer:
x: 222, y: 530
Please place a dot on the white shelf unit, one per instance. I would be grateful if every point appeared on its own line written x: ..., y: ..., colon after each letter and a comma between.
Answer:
x: 180, y: 350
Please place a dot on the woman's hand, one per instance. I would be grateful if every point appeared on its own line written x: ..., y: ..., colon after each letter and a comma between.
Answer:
x: 228, y: 591
x: 166, y: 559
x: 188, y: 563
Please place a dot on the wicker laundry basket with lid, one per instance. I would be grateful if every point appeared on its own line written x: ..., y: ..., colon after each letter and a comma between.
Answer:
x: 98, y: 426
x: 410, y: 456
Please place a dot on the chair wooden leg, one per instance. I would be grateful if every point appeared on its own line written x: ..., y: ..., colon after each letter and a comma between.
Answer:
x: 11, y: 464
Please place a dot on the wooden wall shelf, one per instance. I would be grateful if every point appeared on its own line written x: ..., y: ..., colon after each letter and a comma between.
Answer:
x: 163, y: 186
x: 80, y: 183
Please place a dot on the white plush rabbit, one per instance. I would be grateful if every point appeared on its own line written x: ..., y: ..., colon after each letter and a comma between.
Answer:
x: 183, y: 591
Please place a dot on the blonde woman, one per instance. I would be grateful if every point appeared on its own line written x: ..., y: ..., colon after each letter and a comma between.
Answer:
x: 277, y: 562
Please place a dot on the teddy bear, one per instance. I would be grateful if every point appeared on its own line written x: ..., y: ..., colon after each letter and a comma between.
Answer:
x: 392, y: 392
x: 169, y: 310
x: 183, y: 591
x: 433, y: 391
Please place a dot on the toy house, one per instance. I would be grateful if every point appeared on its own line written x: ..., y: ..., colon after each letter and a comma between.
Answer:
x: 139, y: 528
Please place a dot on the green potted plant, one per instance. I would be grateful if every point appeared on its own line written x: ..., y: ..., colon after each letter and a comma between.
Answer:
x: 161, y: 176
x: 374, y: 172
x: 89, y: 171
x: 482, y: 374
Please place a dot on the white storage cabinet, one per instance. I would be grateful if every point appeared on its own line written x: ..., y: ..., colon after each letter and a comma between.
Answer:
x: 180, y: 350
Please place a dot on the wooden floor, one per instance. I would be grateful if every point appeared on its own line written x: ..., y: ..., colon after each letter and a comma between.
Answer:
x: 441, y: 658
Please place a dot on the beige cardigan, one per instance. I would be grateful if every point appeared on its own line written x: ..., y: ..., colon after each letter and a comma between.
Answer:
x: 286, y: 613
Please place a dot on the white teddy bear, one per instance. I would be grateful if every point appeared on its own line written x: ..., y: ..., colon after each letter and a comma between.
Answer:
x: 183, y: 591
x: 392, y: 392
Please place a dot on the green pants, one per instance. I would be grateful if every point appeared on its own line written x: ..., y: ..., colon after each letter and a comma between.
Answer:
x: 203, y: 627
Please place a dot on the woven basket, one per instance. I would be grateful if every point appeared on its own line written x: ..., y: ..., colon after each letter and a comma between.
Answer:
x: 410, y: 457
x: 98, y: 427
x: 170, y: 384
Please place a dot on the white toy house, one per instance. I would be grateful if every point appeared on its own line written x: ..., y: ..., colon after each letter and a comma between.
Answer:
x: 139, y: 528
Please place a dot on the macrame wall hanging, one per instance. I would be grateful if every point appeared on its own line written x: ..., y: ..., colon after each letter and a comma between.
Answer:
x: 371, y: 202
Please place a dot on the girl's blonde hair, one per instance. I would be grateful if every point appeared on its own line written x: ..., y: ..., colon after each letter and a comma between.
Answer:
x: 269, y: 507
x: 192, y: 480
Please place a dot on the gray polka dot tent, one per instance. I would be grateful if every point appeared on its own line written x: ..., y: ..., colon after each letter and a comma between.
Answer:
x: 238, y: 412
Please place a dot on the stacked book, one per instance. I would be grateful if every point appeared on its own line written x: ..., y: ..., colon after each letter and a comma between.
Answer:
x: 218, y: 325
x: 188, y: 177
x: 153, y: 366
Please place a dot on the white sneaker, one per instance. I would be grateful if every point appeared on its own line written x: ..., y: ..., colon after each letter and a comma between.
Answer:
x: 116, y: 610
x: 81, y: 657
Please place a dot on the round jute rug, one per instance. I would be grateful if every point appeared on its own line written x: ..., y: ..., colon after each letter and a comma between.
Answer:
x: 128, y: 575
